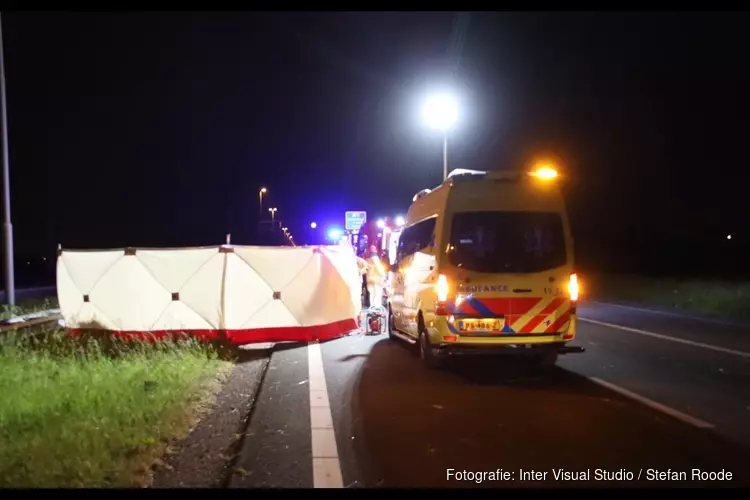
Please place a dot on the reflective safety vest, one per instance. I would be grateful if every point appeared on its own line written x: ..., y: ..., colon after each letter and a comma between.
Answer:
x: 362, y: 265
x: 375, y: 270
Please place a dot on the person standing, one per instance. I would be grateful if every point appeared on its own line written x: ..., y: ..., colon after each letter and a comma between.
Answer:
x: 375, y: 272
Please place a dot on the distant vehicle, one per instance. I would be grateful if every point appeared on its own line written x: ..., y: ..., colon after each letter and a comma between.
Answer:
x: 485, y: 265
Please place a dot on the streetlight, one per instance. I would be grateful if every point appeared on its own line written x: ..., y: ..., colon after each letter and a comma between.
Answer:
x: 400, y: 221
x: 260, y: 196
x: 10, y: 286
x: 312, y: 234
x: 440, y: 112
x: 273, y: 217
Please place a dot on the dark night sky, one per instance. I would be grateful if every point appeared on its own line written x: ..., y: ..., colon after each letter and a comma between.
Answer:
x: 159, y: 129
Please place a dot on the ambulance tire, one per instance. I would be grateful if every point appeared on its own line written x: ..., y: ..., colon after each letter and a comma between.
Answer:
x: 426, y: 352
x: 390, y: 325
x: 545, y: 360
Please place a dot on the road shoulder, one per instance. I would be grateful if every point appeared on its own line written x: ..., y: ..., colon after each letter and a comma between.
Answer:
x: 676, y: 313
x: 200, y: 459
x: 277, y: 445
x: 704, y: 333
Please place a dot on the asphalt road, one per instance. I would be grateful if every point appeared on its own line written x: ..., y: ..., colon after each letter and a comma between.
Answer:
x: 31, y: 293
x: 667, y: 393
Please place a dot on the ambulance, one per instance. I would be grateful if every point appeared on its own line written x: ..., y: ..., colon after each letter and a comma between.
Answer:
x: 484, y: 265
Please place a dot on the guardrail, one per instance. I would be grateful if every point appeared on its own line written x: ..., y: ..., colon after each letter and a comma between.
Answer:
x: 31, y: 319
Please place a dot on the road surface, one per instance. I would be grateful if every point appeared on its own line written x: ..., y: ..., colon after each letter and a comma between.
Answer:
x: 654, y: 394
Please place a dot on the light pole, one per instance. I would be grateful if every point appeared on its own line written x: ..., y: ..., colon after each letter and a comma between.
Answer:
x: 310, y: 232
x: 273, y: 217
x: 445, y: 156
x: 440, y: 112
x: 260, y: 197
x: 10, y: 286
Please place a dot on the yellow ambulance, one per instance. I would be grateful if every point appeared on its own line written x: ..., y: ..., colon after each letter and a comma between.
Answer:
x: 485, y: 265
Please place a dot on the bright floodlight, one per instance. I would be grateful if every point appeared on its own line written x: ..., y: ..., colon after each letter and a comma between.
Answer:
x: 263, y: 190
x: 313, y: 225
x: 381, y: 224
x: 440, y: 112
x: 400, y: 221
x: 729, y: 236
x: 334, y: 234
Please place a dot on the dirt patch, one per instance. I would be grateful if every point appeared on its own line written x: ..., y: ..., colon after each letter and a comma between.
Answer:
x: 200, y: 460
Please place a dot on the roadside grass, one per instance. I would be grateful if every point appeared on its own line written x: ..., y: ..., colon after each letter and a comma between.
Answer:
x: 28, y: 306
x: 713, y: 298
x: 90, y: 413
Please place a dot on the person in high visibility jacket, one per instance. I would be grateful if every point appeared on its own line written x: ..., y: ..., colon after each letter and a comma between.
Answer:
x: 375, y: 272
x: 362, y: 268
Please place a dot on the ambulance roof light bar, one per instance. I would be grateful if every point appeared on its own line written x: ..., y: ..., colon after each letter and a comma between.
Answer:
x: 542, y: 173
x: 420, y: 194
x: 465, y: 171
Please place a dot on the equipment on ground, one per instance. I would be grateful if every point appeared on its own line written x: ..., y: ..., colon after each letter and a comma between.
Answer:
x: 375, y: 320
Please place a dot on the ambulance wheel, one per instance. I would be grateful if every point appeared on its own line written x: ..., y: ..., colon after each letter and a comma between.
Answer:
x: 390, y: 325
x: 546, y: 359
x: 428, y: 353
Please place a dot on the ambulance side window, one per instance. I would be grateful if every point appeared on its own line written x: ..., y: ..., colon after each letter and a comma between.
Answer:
x: 416, y: 238
x: 425, y: 234
x: 403, y: 242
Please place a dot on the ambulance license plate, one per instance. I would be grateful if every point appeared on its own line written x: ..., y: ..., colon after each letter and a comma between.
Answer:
x: 480, y: 325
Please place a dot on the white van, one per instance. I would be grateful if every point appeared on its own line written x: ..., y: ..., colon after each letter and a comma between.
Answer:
x: 485, y: 265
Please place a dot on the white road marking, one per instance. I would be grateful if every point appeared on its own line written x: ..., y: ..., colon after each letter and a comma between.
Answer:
x: 653, y: 404
x: 693, y: 343
x: 325, y: 456
x: 673, y: 314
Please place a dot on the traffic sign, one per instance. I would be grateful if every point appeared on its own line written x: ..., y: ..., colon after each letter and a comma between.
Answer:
x: 355, y: 220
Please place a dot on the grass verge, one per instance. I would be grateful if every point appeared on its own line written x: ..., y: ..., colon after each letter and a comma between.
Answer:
x: 77, y: 414
x: 713, y: 298
x: 28, y: 306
